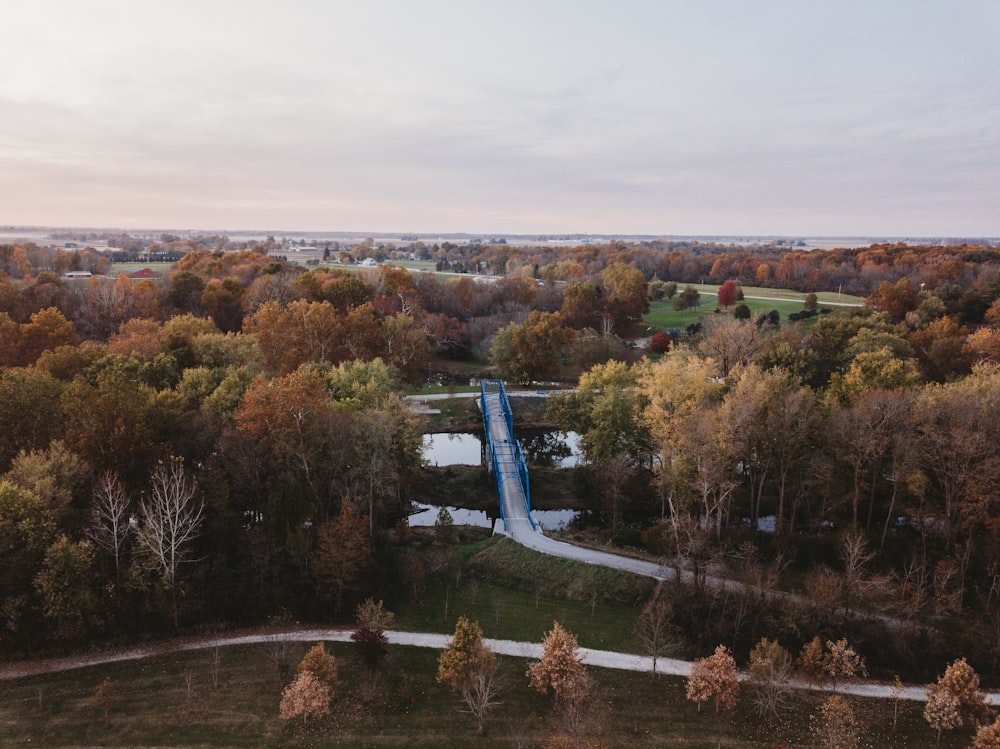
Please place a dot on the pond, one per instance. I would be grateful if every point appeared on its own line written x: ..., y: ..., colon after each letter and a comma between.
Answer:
x: 550, y: 520
x: 542, y: 447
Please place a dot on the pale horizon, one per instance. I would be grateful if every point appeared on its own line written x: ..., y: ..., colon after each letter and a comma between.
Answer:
x: 667, y: 119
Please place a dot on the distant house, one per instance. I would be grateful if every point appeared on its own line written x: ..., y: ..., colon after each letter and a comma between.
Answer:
x: 140, y: 273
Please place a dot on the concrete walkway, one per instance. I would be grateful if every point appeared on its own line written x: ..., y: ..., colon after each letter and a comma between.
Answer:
x: 513, y: 648
x: 521, y: 530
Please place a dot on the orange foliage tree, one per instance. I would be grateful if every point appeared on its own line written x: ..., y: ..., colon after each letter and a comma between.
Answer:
x: 343, y: 553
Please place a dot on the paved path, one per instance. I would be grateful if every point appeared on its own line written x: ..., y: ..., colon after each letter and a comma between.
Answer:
x: 516, y: 649
x: 818, y: 304
x: 520, y: 529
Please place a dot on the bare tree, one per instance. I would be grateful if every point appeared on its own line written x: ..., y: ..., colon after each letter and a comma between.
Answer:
x: 109, y: 518
x: 855, y: 554
x: 613, y: 474
x: 731, y: 343
x: 278, y: 652
x: 216, y: 665
x: 171, y: 520
x: 824, y: 592
x: 653, y: 626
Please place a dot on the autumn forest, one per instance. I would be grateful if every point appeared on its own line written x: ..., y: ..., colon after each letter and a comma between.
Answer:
x: 227, y: 440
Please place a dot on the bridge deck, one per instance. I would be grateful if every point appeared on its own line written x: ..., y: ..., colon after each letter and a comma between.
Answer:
x: 506, y: 459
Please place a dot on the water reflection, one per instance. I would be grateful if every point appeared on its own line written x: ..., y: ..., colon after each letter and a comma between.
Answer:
x: 542, y: 447
x: 444, y: 449
x: 549, y: 520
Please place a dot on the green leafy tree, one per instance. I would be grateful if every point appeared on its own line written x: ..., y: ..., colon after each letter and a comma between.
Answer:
x: 603, y: 409
x: 689, y: 298
x: 108, y: 424
x: 58, y: 477
x: 625, y: 296
x: 580, y: 305
x: 875, y: 370
x: 66, y: 584
x: 29, y: 411
x: 26, y: 530
x: 184, y: 291
x: 532, y: 350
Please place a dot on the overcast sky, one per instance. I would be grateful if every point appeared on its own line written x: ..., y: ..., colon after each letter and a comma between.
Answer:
x: 876, y: 117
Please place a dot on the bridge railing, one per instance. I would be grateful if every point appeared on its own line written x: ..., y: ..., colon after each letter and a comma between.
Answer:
x: 491, y: 454
x: 520, y: 465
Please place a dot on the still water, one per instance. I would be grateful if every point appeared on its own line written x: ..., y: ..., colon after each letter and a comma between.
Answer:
x: 550, y: 520
x: 542, y: 447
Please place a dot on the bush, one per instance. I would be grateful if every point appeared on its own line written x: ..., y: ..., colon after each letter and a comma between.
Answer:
x: 660, y: 343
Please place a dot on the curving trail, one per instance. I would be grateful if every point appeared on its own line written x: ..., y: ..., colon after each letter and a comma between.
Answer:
x: 522, y: 530
x: 590, y: 657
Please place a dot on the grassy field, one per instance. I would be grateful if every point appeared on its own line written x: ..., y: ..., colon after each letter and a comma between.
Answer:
x: 183, y: 700
x: 171, y: 701
x: 161, y: 268
x: 824, y: 297
x: 662, y: 315
x: 595, y: 602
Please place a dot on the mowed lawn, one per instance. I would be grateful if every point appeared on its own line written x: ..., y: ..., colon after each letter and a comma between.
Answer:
x: 190, y: 699
x: 171, y: 701
x: 663, y: 316
x: 823, y: 297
